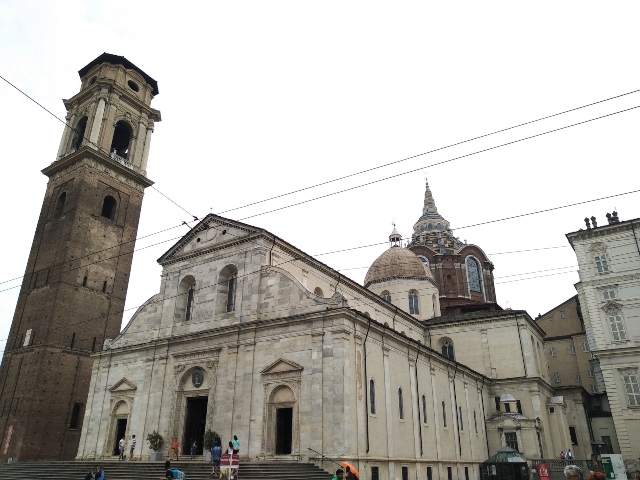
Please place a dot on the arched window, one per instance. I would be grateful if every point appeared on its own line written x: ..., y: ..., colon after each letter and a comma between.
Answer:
x: 78, y: 134
x: 474, y: 275
x: 400, y: 404
x: 425, y: 261
x: 60, y: 205
x: 447, y: 350
x: 185, y: 301
x: 84, y: 281
x: 444, y: 414
x: 386, y: 296
x: 318, y: 291
x: 121, y: 139
x: 424, y: 408
x: 227, y: 286
x: 413, y: 303
x: 109, y: 207
x: 372, y: 396
x: 104, y: 287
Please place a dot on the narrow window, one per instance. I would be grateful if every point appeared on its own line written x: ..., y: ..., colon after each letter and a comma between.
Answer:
x: 556, y: 377
x: 578, y: 377
x: 400, y: 404
x: 589, y: 372
x: 593, y: 388
x: 449, y: 473
x: 473, y: 274
x: 231, y: 295
x: 429, y: 473
x: 512, y: 440
x: 585, y: 346
x: 497, y: 400
x: 519, y: 407
x: 424, y: 408
x: 73, y: 340
x: 552, y: 352
x: 121, y: 139
x: 466, y: 473
x: 405, y: 473
x: 540, y: 445
x: 78, y: 134
x: 189, y: 312
x: 460, y: 418
x: 413, y: 303
x: 375, y: 473
x: 104, y: 287
x: 601, y: 264
x: 447, y: 350
x: 632, y: 389
x: 386, y: 296
x: 507, y: 407
x: 93, y: 345
x: 109, y: 207
x: 475, y: 421
x: 46, y: 282
x: 609, y: 294
x: 34, y: 280
x: 444, y: 415
x: 75, y: 415
x: 574, y: 436
x: 33, y: 338
x: 572, y: 349
x: 618, y: 332
x: 84, y: 281
x: 60, y: 205
x: 372, y: 396
x: 563, y: 314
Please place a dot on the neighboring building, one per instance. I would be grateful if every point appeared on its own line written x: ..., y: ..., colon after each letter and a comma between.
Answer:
x: 609, y: 294
x: 71, y: 301
x: 462, y: 272
x: 572, y: 374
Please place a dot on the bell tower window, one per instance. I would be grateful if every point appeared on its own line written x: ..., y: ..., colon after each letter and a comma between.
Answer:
x: 78, y: 135
x: 109, y: 207
x: 60, y: 205
x: 121, y: 139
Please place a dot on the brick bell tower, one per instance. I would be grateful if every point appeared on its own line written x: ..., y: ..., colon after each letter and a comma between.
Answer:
x: 76, y: 280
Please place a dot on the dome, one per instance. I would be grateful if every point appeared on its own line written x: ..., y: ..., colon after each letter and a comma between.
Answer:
x: 397, y: 262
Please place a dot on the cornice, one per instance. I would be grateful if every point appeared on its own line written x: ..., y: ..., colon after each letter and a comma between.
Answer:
x: 609, y: 279
x: 86, y: 151
x: 602, y: 231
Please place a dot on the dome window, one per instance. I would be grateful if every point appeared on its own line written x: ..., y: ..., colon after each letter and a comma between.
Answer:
x: 386, y: 296
x: 473, y: 275
x: 413, y: 303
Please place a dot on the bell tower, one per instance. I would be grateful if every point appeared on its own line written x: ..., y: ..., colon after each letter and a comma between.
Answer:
x: 75, y: 283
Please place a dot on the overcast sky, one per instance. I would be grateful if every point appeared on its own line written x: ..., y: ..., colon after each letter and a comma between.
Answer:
x: 261, y: 98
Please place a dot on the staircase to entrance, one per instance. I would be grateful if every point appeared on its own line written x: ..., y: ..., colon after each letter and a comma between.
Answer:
x: 135, y: 470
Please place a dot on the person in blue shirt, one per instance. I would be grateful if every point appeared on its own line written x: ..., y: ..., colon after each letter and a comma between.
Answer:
x: 216, y: 453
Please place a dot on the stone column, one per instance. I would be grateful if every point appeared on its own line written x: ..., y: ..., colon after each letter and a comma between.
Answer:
x: 97, y: 123
x: 141, y: 135
x: 454, y: 415
x: 65, y: 135
x: 414, y: 408
x: 387, y: 395
x: 145, y: 152
x: 436, y: 419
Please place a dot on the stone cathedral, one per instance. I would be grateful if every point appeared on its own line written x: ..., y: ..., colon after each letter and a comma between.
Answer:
x: 415, y: 374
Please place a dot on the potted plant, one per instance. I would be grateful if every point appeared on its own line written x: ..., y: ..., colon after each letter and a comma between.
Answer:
x: 209, y: 437
x: 155, y: 441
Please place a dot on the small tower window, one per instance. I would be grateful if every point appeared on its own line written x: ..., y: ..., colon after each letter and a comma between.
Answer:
x: 413, y: 303
x: 372, y: 396
x: 109, y: 207
x: 78, y: 134
x: 60, y: 205
x: 386, y: 296
x: 104, y: 287
x: 75, y: 415
x: 444, y: 415
x: 400, y: 404
x: 121, y: 139
x: 447, y: 350
x: 473, y: 274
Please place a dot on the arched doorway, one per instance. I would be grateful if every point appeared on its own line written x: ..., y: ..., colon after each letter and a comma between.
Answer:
x: 119, y: 421
x: 281, y: 425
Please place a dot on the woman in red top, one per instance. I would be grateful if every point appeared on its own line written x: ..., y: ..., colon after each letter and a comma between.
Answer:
x: 174, y: 448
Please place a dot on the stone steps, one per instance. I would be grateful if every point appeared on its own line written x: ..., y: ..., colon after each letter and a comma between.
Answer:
x: 135, y: 470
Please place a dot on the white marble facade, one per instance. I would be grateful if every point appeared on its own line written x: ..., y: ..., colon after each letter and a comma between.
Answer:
x: 298, y: 348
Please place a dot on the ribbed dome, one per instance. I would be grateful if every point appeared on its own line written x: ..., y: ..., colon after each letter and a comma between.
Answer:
x: 397, y: 262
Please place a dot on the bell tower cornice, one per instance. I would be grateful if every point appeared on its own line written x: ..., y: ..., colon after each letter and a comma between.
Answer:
x: 92, y: 158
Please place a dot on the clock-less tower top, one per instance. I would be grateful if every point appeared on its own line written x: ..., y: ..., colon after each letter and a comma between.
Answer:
x: 75, y: 283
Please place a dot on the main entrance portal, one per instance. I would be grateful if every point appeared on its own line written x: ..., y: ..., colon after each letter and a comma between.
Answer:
x: 194, y: 426
x: 284, y: 429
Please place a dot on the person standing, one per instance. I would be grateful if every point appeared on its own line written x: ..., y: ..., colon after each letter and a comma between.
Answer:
x: 193, y: 449
x: 339, y: 474
x: 569, y: 455
x: 133, y: 447
x: 230, y: 449
x: 562, y: 455
x: 216, y: 453
x: 174, y: 448
x: 121, y: 445
x: 235, y: 443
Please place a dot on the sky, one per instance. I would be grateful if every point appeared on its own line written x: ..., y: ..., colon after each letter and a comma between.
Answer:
x: 262, y: 98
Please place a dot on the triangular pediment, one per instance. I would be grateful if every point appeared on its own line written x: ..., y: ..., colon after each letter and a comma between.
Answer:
x: 213, y: 230
x: 123, y: 385
x: 281, y: 365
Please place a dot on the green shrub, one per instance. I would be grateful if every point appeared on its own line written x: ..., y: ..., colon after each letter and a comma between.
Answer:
x: 155, y: 441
